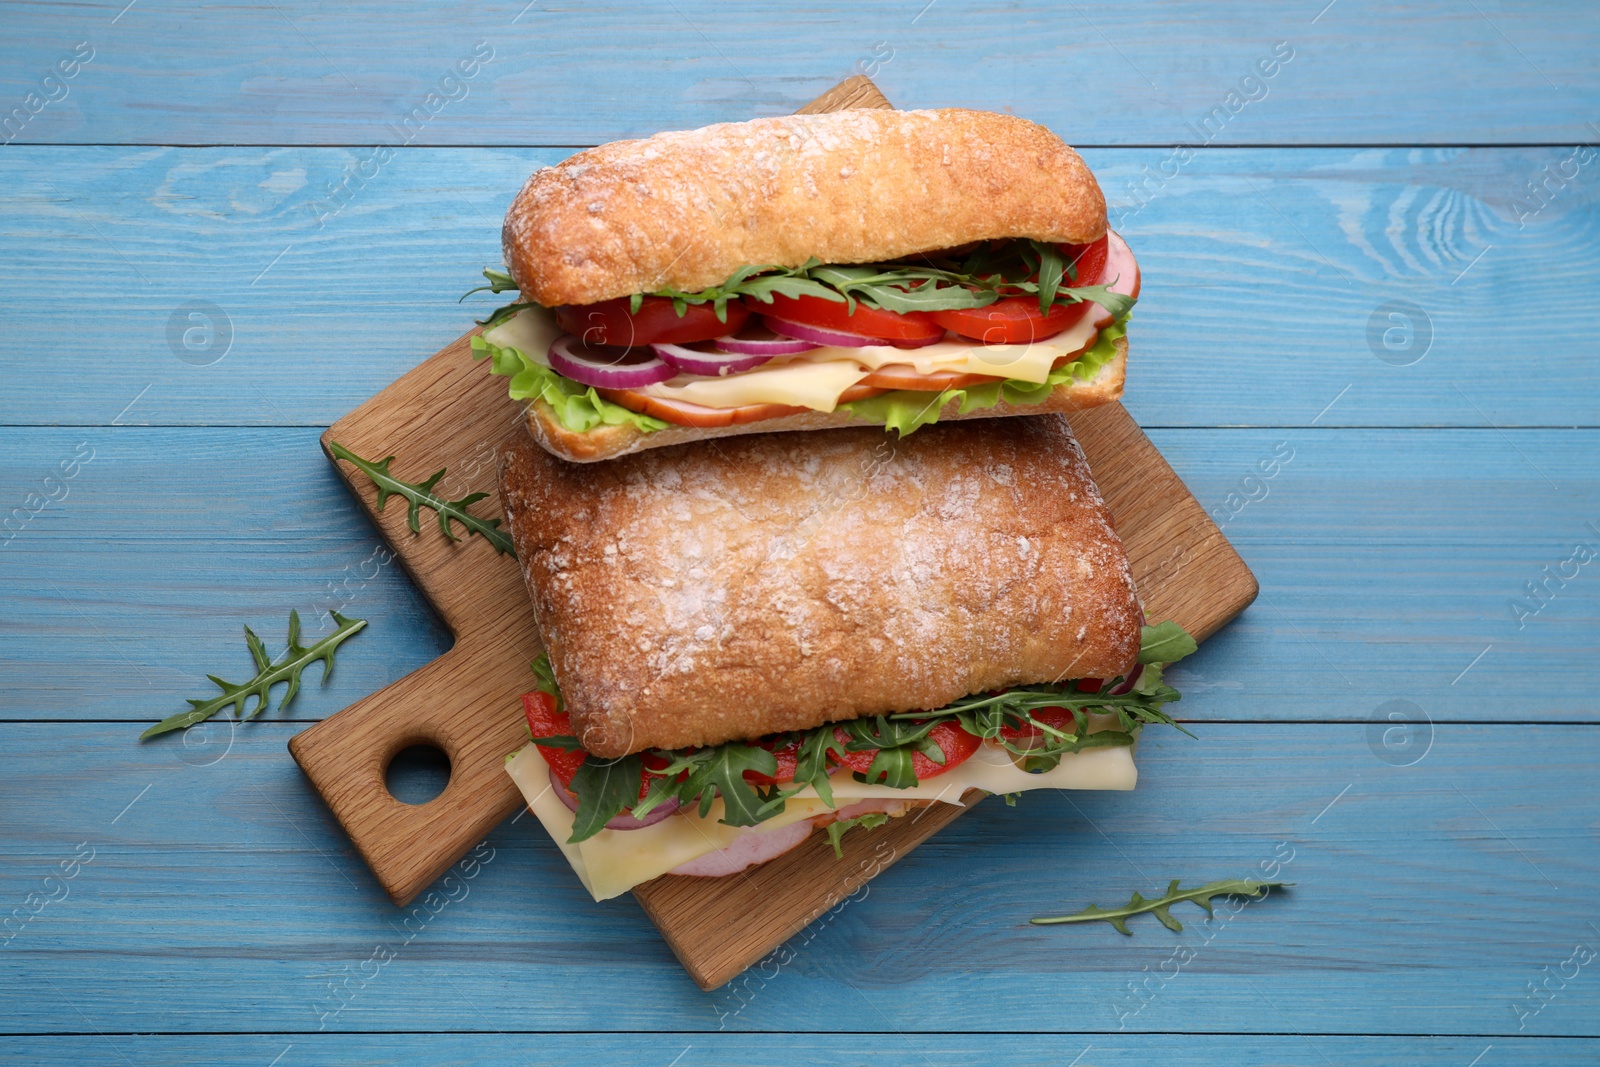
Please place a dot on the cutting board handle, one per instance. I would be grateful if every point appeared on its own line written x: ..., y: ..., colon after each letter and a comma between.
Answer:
x: 451, y: 705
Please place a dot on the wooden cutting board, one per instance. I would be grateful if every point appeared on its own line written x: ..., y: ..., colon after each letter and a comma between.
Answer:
x: 449, y: 412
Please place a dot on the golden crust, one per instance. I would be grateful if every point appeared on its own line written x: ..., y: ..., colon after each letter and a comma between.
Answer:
x: 686, y: 209
x: 608, y: 442
x: 723, y: 590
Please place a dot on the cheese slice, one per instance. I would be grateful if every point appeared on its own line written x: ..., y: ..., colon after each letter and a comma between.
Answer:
x: 1028, y: 363
x: 815, y: 379
x: 530, y: 331
x: 814, y: 385
x: 614, y: 861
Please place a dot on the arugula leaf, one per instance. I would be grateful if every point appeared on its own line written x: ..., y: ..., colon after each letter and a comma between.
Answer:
x: 759, y: 282
x: 1165, y: 642
x: 719, y: 772
x: 604, y: 788
x: 897, y: 287
x: 577, y: 407
x: 499, y: 281
x: 268, y: 674
x: 565, y: 742
x: 1117, y: 917
x: 697, y: 777
x: 505, y: 314
x: 817, y: 749
x: 837, y: 829
x: 894, y: 741
x: 420, y: 494
x: 546, y: 676
x: 992, y: 271
x: 1052, y: 266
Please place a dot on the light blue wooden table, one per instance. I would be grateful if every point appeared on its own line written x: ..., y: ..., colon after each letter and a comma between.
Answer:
x: 1382, y: 261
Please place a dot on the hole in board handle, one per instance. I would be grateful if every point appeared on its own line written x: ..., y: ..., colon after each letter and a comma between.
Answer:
x: 417, y: 773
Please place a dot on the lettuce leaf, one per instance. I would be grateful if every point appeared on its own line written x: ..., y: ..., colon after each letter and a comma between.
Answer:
x: 904, y: 410
x: 578, y: 407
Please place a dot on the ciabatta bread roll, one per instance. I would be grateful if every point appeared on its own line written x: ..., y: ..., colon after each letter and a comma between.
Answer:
x: 685, y: 210
x: 728, y: 590
x: 809, y: 272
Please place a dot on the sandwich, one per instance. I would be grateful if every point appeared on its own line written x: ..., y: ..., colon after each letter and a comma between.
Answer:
x: 895, y: 268
x: 754, y: 640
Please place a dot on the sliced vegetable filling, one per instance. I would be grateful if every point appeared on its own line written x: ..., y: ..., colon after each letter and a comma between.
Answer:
x: 1036, y: 724
x: 959, y: 326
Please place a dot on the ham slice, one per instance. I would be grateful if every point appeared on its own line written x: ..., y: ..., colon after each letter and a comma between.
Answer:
x: 757, y: 846
x: 747, y: 850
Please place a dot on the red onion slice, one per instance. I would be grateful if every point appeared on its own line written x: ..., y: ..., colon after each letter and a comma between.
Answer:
x: 769, y: 345
x: 715, y: 364
x: 620, y: 822
x: 840, y: 339
x: 818, y: 335
x: 1125, y: 686
x: 607, y: 368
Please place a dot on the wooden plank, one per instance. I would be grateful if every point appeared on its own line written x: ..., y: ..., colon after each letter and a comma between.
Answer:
x: 1421, y: 903
x: 300, y: 72
x: 1388, y: 561
x: 1245, y: 319
x: 453, y: 412
x: 820, y: 1050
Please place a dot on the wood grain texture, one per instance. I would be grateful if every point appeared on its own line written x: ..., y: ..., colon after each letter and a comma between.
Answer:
x: 452, y: 412
x: 226, y: 899
x: 820, y: 1050
x: 1098, y: 72
x: 1264, y: 271
x: 229, y: 899
x: 852, y: 92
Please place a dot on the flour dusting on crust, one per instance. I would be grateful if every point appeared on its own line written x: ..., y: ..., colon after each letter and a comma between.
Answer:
x: 698, y: 594
x: 686, y: 209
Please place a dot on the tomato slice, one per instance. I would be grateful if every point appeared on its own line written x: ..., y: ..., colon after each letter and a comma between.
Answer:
x: 1059, y: 718
x: 787, y: 756
x: 683, y: 413
x: 905, y: 376
x: 956, y: 744
x: 545, y: 721
x: 1014, y: 320
x: 890, y: 326
x: 1088, y: 262
x: 610, y: 322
